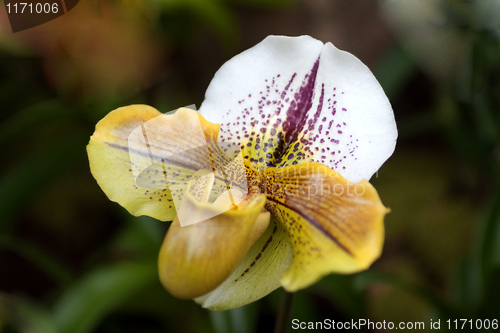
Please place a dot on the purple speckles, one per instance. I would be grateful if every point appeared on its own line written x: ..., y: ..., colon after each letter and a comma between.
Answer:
x: 283, y: 94
x: 295, y: 120
x: 318, y: 110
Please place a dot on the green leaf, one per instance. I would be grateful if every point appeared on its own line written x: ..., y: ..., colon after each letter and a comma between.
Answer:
x: 393, y: 71
x: 476, y: 269
x: 30, y: 117
x: 25, y: 315
x: 457, y: 128
x: 222, y: 20
x: 488, y: 240
x: 19, y: 184
x: 340, y: 289
x: 46, y: 262
x: 142, y: 235
x: 215, y: 12
x: 366, y: 278
x: 100, y: 292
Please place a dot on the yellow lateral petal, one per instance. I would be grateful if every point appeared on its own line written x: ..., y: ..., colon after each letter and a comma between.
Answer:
x: 110, y: 164
x: 334, y: 226
x: 135, y: 173
x: 196, y: 258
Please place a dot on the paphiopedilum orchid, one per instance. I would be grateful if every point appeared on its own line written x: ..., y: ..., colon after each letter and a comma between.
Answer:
x: 311, y: 125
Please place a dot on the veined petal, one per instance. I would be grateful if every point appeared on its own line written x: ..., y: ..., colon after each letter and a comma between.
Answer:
x: 196, y: 258
x: 292, y: 99
x: 258, y: 274
x: 334, y: 226
x: 135, y: 150
x: 253, y: 94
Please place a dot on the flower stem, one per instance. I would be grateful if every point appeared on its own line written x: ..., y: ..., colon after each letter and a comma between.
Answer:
x: 284, y: 312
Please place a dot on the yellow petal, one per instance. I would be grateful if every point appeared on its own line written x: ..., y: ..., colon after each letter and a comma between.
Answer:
x: 135, y: 150
x: 334, y: 226
x: 196, y: 258
x: 257, y: 275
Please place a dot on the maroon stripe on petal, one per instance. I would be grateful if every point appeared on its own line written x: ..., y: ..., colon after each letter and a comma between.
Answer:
x: 302, y: 103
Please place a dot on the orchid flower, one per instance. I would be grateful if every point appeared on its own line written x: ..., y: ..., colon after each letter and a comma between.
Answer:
x: 310, y: 124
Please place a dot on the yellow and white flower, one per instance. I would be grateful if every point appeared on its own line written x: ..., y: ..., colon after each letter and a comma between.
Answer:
x: 310, y: 125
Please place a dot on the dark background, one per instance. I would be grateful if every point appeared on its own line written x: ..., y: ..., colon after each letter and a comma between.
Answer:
x: 72, y: 261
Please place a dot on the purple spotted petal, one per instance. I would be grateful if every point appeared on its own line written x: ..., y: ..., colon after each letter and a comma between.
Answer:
x: 290, y: 100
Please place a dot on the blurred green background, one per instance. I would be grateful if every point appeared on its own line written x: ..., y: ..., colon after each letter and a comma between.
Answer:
x: 72, y: 261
